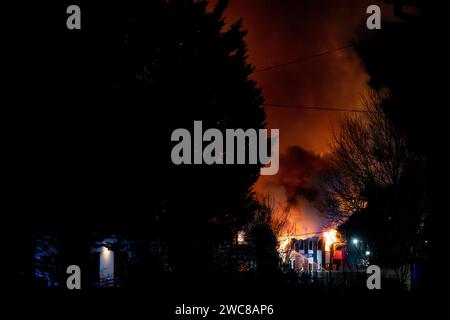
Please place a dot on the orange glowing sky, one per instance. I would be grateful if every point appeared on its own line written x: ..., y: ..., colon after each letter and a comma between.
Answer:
x: 284, y: 30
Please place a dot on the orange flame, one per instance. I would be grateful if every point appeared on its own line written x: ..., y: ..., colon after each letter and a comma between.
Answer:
x: 330, y: 237
x: 284, y: 243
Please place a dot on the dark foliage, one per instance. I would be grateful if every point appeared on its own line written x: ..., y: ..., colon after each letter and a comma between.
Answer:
x: 96, y: 109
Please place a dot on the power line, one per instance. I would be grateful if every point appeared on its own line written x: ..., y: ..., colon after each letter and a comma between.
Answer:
x: 350, y: 109
x: 302, y: 59
x: 316, y: 108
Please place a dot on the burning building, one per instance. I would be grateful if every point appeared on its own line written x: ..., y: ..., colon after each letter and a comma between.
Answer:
x: 322, y: 252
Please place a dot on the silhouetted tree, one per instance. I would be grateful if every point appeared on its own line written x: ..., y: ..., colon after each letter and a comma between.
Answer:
x: 96, y: 155
x: 263, y: 233
x: 408, y: 70
x: 377, y: 183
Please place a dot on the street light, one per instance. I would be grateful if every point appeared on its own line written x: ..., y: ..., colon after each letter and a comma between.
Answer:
x: 367, y: 253
x: 355, y: 241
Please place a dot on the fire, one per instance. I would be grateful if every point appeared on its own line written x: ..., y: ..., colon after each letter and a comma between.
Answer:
x: 330, y: 237
x: 241, y: 238
x: 284, y: 241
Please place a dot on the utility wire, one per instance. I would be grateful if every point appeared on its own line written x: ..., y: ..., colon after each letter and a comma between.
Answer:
x: 317, y: 108
x: 302, y: 59
x: 276, y: 105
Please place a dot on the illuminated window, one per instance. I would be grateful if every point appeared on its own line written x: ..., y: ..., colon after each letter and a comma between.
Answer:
x: 106, y: 264
x: 241, y: 238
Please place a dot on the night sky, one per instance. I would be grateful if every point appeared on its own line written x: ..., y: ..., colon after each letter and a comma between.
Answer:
x: 280, y: 31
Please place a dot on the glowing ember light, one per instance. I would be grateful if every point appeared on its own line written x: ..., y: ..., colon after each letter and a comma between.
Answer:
x: 283, y: 244
x: 330, y: 237
x: 241, y: 237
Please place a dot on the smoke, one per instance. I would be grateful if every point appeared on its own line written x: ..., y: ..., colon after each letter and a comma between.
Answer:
x: 284, y: 30
x: 296, y: 190
x: 301, y: 174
